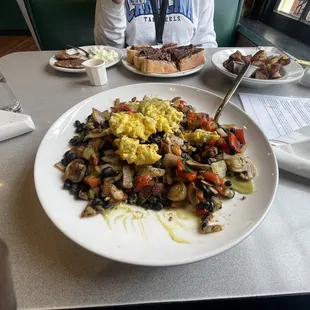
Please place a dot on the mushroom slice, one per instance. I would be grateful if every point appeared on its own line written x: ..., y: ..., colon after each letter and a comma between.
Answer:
x: 117, y: 194
x: 196, y: 165
x: 242, y: 164
x: 173, y: 139
x: 76, y: 170
x: 100, y: 117
x: 154, y: 172
x: 250, y: 173
x: 192, y: 194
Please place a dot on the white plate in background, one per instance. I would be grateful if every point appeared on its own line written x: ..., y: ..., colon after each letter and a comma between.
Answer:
x: 292, y: 72
x: 86, y: 48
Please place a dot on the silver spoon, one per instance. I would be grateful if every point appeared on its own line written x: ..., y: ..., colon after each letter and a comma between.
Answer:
x: 231, y: 91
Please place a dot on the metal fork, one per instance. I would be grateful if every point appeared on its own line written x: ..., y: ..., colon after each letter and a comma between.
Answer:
x: 78, y: 48
x: 231, y: 91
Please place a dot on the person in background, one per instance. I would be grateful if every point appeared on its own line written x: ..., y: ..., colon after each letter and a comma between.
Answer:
x: 120, y: 23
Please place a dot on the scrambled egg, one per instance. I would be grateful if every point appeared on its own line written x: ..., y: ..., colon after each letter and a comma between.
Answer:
x: 167, y: 118
x: 153, y: 115
x: 134, y: 125
x: 200, y: 136
x: 141, y: 154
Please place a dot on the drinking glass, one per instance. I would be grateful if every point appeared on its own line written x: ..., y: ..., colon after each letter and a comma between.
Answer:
x: 7, y: 294
x: 8, y: 101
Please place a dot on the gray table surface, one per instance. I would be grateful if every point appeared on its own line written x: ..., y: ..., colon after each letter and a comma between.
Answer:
x: 50, y: 271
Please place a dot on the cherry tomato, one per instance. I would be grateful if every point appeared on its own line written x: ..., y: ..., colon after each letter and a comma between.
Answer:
x: 142, y: 181
x: 234, y: 143
x: 213, y: 177
x: 239, y: 133
x: 223, y: 145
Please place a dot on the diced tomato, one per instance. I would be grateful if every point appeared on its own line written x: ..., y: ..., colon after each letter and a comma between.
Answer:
x: 183, y: 103
x: 187, y: 176
x: 191, y: 115
x: 211, y: 143
x: 234, y: 143
x: 180, y: 165
x: 208, y: 124
x: 239, y: 133
x: 142, y: 181
x: 211, y: 125
x: 185, y: 173
x: 213, y: 177
x: 92, y: 181
x: 204, y: 123
x: 223, y: 145
x: 201, y: 212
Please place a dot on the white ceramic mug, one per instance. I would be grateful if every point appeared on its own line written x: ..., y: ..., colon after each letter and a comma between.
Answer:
x: 96, y: 71
x: 305, y: 80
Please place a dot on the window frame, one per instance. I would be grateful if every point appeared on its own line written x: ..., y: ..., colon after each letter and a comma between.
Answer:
x: 294, y: 27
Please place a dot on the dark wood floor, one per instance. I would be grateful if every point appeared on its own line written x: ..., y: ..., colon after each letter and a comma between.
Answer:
x: 11, y: 44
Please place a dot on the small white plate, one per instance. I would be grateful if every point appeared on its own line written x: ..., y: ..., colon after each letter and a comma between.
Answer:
x: 168, y: 75
x: 86, y: 48
x: 292, y: 72
x: 147, y: 242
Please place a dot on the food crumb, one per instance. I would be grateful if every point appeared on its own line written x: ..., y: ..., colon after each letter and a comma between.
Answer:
x: 170, y: 219
x: 243, y: 198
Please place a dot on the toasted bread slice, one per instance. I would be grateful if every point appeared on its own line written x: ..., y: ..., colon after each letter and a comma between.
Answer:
x: 160, y: 64
x: 150, y: 66
x: 63, y: 55
x: 168, y: 46
x: 70, y: 64
x: 134, y: 50
x: 192, y: 61
x: 143, y: 53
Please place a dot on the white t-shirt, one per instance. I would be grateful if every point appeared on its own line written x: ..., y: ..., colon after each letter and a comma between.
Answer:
x: 187, y: 22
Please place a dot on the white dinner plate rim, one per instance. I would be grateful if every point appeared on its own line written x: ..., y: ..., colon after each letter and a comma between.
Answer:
x: 157, y: 264
x: 247, y: 80
x: 52, y: 60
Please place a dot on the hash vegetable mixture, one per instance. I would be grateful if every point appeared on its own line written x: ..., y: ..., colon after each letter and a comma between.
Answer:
x: 156, y: 154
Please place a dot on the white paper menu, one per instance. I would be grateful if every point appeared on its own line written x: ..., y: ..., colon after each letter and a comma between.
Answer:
x: 277, y: 116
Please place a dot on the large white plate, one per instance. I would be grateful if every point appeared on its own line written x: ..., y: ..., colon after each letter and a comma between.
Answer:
x: 153, y: 245
x: 108, y: 65
x: 168, y: 75
x: 293, y: 71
